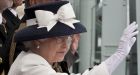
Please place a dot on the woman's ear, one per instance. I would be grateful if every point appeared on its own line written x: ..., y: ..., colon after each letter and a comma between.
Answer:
x: 36, y: 42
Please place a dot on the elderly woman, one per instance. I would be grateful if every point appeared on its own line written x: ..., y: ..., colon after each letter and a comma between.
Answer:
x: 48, y: 38
x: 72, y: 55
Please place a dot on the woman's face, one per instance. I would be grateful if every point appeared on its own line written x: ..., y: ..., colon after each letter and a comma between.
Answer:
x: 54, y: 49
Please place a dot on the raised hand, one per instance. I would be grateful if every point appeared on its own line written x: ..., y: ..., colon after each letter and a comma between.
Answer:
x: 126, y: 42
x: 128, y: 38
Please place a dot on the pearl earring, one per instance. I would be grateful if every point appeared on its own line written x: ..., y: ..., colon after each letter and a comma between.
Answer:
x: 38, y: 47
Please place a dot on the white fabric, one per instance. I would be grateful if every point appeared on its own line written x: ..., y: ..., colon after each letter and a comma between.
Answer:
x: 65, y: 14
x: 20, y: 11
x: 13, y: 11
x: 0, y: 18
x: 126, y: 42
x: 28, y: 63
x: 31, y: 22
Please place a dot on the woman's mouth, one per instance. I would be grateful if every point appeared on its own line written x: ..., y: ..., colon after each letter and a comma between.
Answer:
x: 62, y: 52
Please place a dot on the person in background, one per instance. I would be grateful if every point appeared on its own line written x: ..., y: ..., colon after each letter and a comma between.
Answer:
x: 36, y: 2
x: 4, y: 4
x: 11, y: 25
x: 48, y: 39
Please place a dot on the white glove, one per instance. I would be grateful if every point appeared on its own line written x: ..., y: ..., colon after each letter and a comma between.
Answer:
x: 128, y: 38
x: 126, y: 42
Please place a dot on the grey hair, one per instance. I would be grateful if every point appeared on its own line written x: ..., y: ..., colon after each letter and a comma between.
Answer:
x: 28, y: 45
x: 69, y: 42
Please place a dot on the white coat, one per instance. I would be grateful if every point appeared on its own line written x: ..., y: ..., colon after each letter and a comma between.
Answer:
x: 29, y: 63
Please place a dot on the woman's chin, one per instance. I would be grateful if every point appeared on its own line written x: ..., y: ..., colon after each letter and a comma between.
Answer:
x: 60, y: 59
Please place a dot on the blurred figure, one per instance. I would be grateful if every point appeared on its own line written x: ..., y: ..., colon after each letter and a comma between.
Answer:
x: 11, y: 25
x: 73, y: 55
x: 36, y: 2
x: 4, y: 4
x: 17, y: 3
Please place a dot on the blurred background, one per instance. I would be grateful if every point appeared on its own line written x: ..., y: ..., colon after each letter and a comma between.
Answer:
x: 105, y: 21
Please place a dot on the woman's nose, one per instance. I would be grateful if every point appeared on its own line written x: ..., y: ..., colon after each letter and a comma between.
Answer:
x: 64, y: 44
